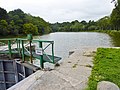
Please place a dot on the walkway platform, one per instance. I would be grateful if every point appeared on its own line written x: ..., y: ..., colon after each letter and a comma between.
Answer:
x: 71, y: 75
x: 46, y: 58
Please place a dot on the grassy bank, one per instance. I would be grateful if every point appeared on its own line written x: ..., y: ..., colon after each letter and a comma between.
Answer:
x: 106, y: 67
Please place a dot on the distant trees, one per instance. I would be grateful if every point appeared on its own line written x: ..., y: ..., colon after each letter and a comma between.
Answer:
x: 104, y: 23
x: 18, y: 22
x: 115, y: 19
x: 74, y: 26
x: 30, y: 28
x: 111, y: 22
x: 4, y: 27
x: 3, y: 14
x: 115, y: 16
x: 17, y: 16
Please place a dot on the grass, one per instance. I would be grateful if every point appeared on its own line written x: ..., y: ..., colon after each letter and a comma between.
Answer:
x: 106, y: 67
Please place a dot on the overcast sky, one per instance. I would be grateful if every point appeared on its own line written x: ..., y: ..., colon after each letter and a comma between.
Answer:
x: 62, y: 10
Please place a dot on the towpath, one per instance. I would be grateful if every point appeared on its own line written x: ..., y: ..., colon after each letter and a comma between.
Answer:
x: 72, y: 74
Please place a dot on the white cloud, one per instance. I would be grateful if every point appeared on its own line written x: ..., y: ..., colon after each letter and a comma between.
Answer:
x: 61, y: 10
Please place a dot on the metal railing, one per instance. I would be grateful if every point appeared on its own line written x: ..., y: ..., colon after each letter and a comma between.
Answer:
x: 24, y: 48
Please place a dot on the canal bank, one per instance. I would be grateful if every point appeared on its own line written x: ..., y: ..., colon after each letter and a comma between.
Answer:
x: 72, y: 74
x: 68, y: 74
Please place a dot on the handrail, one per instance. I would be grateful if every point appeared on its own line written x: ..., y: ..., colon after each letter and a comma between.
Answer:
x: 6, y: 39
x: 21, y: 48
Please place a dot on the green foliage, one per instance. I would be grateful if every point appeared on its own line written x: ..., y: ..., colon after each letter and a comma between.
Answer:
x: 3, y: 27
x: 13, y: 28
x: 115, y: 16
x: 115, y: 19
x: 104, y: 23
x: 106, y: 67
x: 115, y: 35
x: 30, y: 28
x: 43, y: 26
x: 111, y: 22
x: 92, y: 27
x: 3, y: 14
x: 17, y: 20
x: 74, y: 26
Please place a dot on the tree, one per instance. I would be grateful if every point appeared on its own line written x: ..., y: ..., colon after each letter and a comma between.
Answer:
x: 3, y: 14
x: 16, y: 19
x: 92, y: 27
x: 115, y: 16
x: 18, y: 12
x: 115, y: 19
x: 13, y: 28
x: 29, y: 28
x: 76, y: 26
x: 17, y: 16
x: 3, y: 27
x: 117, y: 3
x: 104, y: 23
x: 84, y: 22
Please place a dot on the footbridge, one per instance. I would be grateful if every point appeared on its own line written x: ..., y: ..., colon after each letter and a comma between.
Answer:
x: 11, y: 48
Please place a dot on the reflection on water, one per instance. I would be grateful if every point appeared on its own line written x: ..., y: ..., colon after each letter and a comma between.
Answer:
x: 66, y: 41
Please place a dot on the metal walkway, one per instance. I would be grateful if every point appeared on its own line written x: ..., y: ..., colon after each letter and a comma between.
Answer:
x: 46, y: 58
x: 29, y: 47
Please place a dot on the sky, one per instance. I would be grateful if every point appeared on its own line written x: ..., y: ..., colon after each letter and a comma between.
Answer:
x: 62, y: 10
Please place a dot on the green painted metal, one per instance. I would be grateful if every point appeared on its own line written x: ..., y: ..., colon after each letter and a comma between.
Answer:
x: 7, y: 39
x: 31, y: 51
x: 53, y: 52
x: 36, y: 40
x: 41, y: 56
x: 18, y: 46
x: 7, y: 52
x: 45, y: 58
x: 9, y: 48
x: 21, y: 50
x: 29, y: 37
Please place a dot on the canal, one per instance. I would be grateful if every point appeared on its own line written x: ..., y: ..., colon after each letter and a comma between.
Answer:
x: 66, y: 41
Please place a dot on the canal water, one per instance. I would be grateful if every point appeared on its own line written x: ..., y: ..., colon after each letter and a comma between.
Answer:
x: 67, y: 41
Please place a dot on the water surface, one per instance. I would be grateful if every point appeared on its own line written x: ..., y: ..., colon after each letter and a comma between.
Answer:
x: 66, y: 41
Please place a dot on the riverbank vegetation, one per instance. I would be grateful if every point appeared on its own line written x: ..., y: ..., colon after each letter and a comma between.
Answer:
x: 111, y: 22
x: 106, y: 67
x: 17, y: 22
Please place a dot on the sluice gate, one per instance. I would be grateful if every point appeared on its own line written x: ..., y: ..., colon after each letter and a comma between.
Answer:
x: 13, y: 71
x: 16, y: 58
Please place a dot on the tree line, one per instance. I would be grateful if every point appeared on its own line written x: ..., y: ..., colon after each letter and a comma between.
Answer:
x: 17, y: 22
x: 111, y: 22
